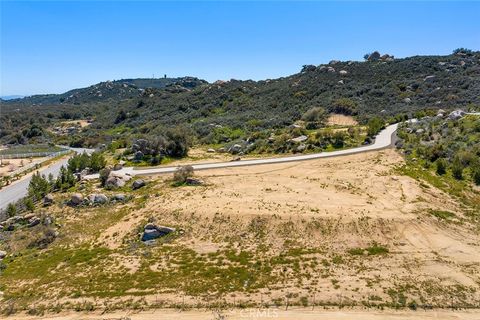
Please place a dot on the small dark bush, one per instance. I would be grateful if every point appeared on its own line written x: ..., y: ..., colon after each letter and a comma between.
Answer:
x: 182, y: 173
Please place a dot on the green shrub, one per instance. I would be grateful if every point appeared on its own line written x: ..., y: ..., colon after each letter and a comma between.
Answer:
x: 29, y: 204
x: 104, y: 173
x: 315, y: 114
x: 476, y: 175
x: 182, y: 173
x: 374, y: 126
x: 376, y: 249
x: 441, y: 165
x: 442, y: 214
x: 356, y: 251
x: 457, y: 169
x: 11, y: 209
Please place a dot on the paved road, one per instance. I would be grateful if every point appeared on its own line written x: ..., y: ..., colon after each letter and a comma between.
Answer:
x: 384, y: 139
x: 18, y: 189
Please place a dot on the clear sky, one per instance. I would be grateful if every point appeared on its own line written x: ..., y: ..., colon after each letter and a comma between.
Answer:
x: 51, y: 47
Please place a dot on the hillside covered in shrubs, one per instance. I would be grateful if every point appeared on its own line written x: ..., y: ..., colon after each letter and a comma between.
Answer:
x: 445, y: 152
x: 225, y: 111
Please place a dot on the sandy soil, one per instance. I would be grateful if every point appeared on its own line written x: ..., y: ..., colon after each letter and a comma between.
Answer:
x: 15, y: 164
x: 81, y: 123
x: 341, y: 120
x: 352, y: 201
x: 292, y: 314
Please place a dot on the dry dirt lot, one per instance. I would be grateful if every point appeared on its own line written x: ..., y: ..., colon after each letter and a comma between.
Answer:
x: 341, y: 120
x: 337, y: 231
x: 332, y: 206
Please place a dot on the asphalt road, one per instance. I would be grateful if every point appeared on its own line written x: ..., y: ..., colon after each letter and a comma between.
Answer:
x: 383, y: 140
x: 18, y: 189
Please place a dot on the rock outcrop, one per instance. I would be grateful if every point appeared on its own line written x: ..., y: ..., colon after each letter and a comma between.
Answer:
x: 152, y: 232
x: 76, y: 199
x: 48, y: 200
x: 137, y: 184
x: 98, y: 198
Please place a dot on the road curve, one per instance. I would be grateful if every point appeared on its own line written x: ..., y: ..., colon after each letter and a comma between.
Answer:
x: 18, y: 189
x: 383, y: 140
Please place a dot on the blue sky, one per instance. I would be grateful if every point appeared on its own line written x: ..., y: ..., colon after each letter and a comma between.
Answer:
x: 51, y: 47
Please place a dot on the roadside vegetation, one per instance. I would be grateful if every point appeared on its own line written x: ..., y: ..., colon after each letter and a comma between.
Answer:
x: 445, y: 153
x: 41, y: 185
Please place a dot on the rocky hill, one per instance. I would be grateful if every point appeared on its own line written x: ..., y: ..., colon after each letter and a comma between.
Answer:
x: 381, y: 86
x: 109, y: 90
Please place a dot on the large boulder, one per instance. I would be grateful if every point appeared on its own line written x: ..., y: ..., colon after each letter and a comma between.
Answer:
x: 33, y: 221
x: 301, y: 148
x: 48, y: 200
x: 440, y: 113
x: 457, y: 114
x: 113, y: 182
x: 137, y: 184
x: 76, y: 199
x: 236, y: 148
x: 299, y: 139
x: 98, y: 198
x: 152, y: 231
x: 3, y: 254
x: 116, y: 180
x: 119, y: 197
x: 14, y: 220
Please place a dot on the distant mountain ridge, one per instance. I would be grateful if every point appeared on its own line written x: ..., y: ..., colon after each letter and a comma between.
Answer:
x: 11, y: 97
x: 109, y: 90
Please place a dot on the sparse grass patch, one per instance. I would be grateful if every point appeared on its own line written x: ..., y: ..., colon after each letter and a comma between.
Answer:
x: 374, y: 249
x: 442, y: 214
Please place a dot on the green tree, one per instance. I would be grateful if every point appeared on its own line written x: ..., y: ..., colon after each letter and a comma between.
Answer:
x: 38, y: 187
x: 97, y: 161
x: 65, y: 179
